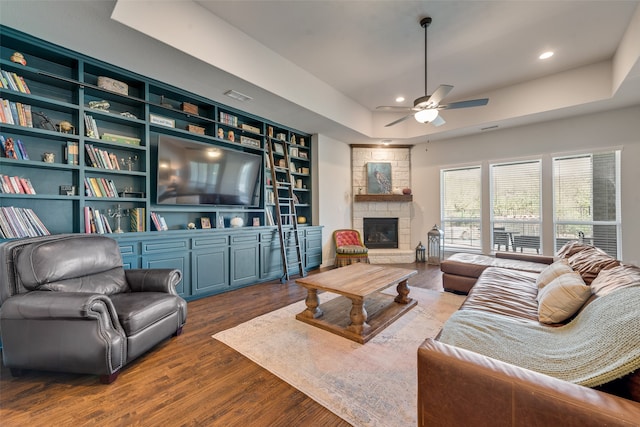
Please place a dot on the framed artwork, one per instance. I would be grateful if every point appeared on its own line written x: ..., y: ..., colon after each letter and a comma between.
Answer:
x: 205, y: 222
x: 379, y: 178
x: 303, y: 155
x: 220, y: 222
x: 278, y: 148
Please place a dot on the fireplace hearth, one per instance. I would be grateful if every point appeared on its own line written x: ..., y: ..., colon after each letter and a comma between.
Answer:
x: 380, y: 233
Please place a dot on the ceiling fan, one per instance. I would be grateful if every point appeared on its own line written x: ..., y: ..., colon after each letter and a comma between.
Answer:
x: 425, y: 109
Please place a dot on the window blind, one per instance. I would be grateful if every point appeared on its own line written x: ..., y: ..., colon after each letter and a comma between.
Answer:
x: 461, y: 202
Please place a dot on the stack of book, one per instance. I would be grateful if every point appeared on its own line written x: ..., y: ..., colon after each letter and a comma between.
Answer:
x: 100, y: 187
x: 20, y: 222
x: 15, y: 113
x: 228, y: 119
x: 15, y: 185
x: 138, y: 219
x: 12, y: 81
x: 13, y: 148
x: 71, y: 153
x: 91, y: 127
x: 96, y: 222
x: 159, y: 222
x: 99, y: 158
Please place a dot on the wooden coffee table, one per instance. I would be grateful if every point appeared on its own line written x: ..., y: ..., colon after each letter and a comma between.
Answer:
x: 362, y: 310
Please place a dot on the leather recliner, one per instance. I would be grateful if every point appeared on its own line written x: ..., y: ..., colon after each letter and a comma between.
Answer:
x: 68, y: 305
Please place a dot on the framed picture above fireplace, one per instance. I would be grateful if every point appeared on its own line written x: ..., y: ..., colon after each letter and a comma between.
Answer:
x: 379, y: 178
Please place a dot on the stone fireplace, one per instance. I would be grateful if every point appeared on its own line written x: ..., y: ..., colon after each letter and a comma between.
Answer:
x: 380, y: 233
x: 395, y: 206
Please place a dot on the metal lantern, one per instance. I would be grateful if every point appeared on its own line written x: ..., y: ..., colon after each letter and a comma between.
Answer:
x: 420, y: 253
x: 435, y: 245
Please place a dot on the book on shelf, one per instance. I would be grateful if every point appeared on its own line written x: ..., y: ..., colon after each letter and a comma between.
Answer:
x: 91, y: 127
x: 158, y: 222
x: 138, y: 219
x: 20, y: 222
x: 71, y: 152
x: 16, y: 185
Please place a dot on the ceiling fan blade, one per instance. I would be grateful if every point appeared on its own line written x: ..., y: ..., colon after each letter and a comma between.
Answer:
x: 393, y: 108
x: 439, y: 94
x: 466, y: 104
x: 395, y: 122
x: 438, y: 121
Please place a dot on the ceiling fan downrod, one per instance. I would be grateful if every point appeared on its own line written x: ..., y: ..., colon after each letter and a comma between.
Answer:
x: 424, y: 23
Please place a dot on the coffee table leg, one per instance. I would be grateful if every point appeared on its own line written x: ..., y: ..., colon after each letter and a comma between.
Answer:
x: 403, y: 292
x: 358, y: 316
x: 312, y: 301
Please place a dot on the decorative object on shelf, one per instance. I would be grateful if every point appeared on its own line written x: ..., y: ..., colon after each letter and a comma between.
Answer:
x: 282, y: 163
x: 191, y: 226
x: 406, y: 191
x: 220, y: 222
x: 293, y: 139
x: 270, y: 131
x: 67, y: 190
x: 49, y: 157
x: 189, y: 108
x: 128, y: 115
x: 66, y: 127
x: 249, y: 128
x: 378, y: 178
x: 293, y: 151
x: 113, y: 85
x: 436, y: 245
x: 195, y: 129
x: 278, y: 148
x: 231, y: 136
x: 164, y: 103
x: 302, y: 142
x: 298, y: 183
x: 102, y: 105
x: 256, y: 221
x: 220, y: 133
x: 421, y: 252
x: 117, y: 213
x: 205, y: 222
x: 10, y: 149
x: 41, y: 121
x: 120, y: 138
x: 281, y: 136
x: 236, y: 222
x: 304, y: 171
x: 129, y: 162
x: 162, y: 121
x: 303, y: 155
x: 18, y: 58
x: 245, y: 140
x: 302, y: 220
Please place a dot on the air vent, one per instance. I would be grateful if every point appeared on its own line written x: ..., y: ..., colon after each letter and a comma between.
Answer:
x: 238, y: 96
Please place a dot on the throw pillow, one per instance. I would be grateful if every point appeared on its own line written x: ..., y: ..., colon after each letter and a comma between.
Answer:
x: 554, y: 270
x: 590, y: 262
x: 562, y: 298
x: 615, y: 278
x: 571, y: 248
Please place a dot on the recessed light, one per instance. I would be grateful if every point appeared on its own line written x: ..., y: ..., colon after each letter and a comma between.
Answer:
x: 546, y: 55
x: 237, y: 95
x: 400, y: 99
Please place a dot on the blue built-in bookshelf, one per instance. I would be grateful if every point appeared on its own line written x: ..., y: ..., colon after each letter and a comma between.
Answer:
x: 99, y: 125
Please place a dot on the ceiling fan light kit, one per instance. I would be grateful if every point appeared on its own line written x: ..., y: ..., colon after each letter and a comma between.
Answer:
x: 425, y: 109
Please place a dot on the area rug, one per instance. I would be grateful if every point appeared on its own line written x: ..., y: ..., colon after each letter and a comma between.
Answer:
x: 374, y: 384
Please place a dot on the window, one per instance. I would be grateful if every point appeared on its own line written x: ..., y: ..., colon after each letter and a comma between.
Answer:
x: 516, y: 205
x: 461, y: 206
x: 586, y: 200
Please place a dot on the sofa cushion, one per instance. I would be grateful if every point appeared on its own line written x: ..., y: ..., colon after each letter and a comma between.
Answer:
x: 590, y: 261
x: 556, y: 269
x: 562, y: 298
x: 139, y: 310
x: 507, y: 292
x: 618, y: 277
x: 90, y: 264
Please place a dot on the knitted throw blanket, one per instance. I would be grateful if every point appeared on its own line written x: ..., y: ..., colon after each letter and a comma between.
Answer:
x: 599, y: 345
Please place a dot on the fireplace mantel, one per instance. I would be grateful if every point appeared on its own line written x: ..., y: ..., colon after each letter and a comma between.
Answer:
x: 383, y: 197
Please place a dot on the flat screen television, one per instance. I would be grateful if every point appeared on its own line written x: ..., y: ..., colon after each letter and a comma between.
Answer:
x: 193, y: 173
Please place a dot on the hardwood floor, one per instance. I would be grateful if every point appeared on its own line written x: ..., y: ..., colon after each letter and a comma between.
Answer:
x: 190, y: 380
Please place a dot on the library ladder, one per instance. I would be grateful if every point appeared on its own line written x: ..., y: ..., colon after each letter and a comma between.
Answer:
x: 285, y: 207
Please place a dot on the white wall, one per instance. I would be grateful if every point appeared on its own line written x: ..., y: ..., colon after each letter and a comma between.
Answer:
x: 614, y: 129
x: 333, y: 190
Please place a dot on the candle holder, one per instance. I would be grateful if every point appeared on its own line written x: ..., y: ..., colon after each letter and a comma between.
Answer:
x: 130, y: 161
x: 118, y: 213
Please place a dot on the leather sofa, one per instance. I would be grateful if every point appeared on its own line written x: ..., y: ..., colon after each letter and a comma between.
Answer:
x: 461, y: 385
x: 68, y: 305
